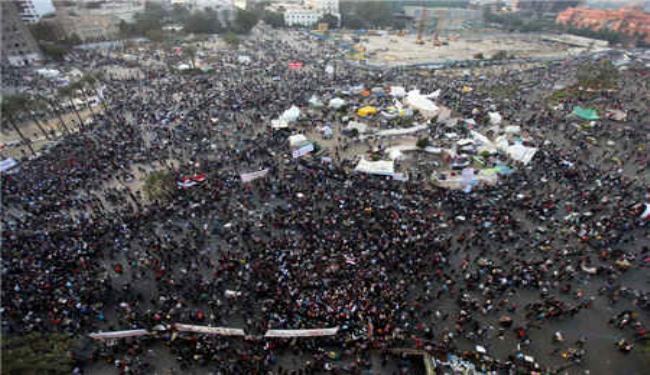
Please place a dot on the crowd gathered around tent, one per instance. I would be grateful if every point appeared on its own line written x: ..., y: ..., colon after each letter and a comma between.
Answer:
x: 549, y: 263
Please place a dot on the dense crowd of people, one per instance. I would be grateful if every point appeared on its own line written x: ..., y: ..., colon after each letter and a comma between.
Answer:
x: 557, y: 246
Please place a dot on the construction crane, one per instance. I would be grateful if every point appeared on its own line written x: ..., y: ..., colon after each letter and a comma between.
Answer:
x: 439, y: 27
x: 423, y: 15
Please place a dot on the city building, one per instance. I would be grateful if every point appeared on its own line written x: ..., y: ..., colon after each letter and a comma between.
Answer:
x: 18, y: 46
x: 27, y: 10
x: 630, y: 21
x: 307, y: 12
x: 324, y: 6
x: 95, y: 20
x: 300, y: 16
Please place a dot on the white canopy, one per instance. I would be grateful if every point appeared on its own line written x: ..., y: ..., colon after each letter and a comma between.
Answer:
x: 361, y: 127
x: 495, y: 118
x: 381, y: 167
x: 421, y: 103
x: 521, y: 153
x: 297, y: 140
x: 336, y: 103
x: 397, y: 91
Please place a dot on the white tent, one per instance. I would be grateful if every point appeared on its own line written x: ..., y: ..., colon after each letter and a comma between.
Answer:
x: 421, y: 103
x: 315, y: 102
x: 381, y: 167
x: 397, y: 91
x: 336, y: 103
x: 297, y: 140
x: 287, y: 117
x: 361, y: 127
x: 521, y: 153
x: 495, y: 118
x: 243, y: 59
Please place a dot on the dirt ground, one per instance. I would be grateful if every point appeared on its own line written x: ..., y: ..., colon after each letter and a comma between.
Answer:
x: 395, y: 50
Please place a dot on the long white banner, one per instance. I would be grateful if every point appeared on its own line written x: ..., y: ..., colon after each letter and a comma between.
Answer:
x: 118, y: 334
x: 302, y: 332
x: 248, y: 177
x: 222, y: 331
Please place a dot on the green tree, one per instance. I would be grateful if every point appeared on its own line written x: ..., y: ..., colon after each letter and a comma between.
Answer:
x: 54, y: 51
x: 597, y: 75
x: 10, y: 108
x: 353, y: 21
x: 159, y: 185
x: 69, y: 93
x: 423, y: 142
x: 273, y: 19
x: 55, y: 109
x: 331, y: 21
x: 37, y: 353
x: 245, y: 21
x: 231, y: 39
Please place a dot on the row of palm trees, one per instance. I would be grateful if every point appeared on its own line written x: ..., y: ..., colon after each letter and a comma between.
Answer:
x: 20, y: 107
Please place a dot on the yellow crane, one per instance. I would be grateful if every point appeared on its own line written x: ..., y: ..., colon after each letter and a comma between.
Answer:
x: 423, y: 15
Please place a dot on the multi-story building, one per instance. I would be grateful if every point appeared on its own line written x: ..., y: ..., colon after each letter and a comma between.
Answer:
x: 27, y: 10
x: 93, y: 20
x: 18, y: 46
x: 629, y: 21
x: 299, y: 16
x: 307, y: 12
x: 324, y: 6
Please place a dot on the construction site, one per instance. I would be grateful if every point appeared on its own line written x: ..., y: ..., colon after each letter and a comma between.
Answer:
x: 443, y: 37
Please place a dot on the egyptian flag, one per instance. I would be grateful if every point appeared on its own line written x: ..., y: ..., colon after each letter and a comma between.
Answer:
x: 295, y: 65
x: 189, y: 181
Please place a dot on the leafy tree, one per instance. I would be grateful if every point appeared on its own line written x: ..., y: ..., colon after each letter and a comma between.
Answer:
x: 159, y: 185
x: 273, y: 19
x: 69, y: 93
x: 231, y: 39
x: 331, y: 21
x: 36, y: 353
x: 423, y: 142
x: 54, y: 51
x: 353, y: 21
x: 245, y: 21
x: 155, y: 35
x: 204, y: 22
x: 597, y: 75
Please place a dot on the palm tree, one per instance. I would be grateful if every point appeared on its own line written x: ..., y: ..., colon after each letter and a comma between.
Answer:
x: 92, y: 80
x: 81, y: 86
x: 69, y: 92
x: 9, y: 108
x: 55, y: 109
x: 25, y: 103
